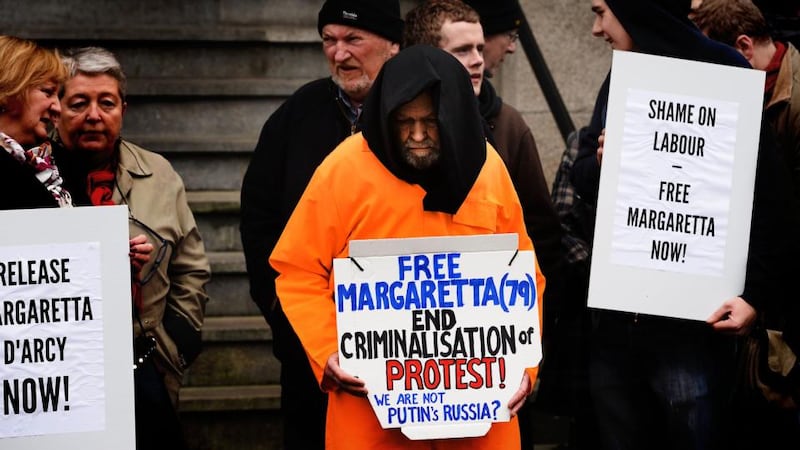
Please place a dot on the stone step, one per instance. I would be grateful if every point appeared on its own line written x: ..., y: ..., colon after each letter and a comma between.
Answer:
x: 209, y: 20
x: 204, y: 163
x: 220, y: 232
x: 227, y: 262
x: 156, y: 20
x: 223, y: 119
x: 265, y: 397
x: 217, y: 217
x: 228, y: 290
x: 231, y: 417
x: 218, y: 87
x: 237, y: 351
x: 177, y: 145
x: 224, y: 61
x: 214, y: 202
x: 210, y: 171
x: 229, y: 294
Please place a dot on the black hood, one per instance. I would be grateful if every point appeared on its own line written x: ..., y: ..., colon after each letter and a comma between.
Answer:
x: 462, y: 142
x: 662, y: 27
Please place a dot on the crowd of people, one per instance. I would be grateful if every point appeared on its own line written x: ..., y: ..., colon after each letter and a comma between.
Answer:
x: 410, y: 139
x: 60, y: 121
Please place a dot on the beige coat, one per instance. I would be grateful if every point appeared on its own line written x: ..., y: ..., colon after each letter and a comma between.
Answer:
x: 156, y: 196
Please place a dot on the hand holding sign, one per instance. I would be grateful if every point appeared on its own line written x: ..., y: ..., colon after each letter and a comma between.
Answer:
x: 601, y: 140
x: 518, y: 399
x: 735, y: 316
x: 335, y: 376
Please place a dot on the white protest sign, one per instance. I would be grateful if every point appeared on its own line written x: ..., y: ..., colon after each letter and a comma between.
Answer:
x: 678, y: 167
x: 66, y: 378
x: 440, y: 330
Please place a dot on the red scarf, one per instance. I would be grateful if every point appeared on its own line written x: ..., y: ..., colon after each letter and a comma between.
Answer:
x: 100, y: 187
x: 773, y: 67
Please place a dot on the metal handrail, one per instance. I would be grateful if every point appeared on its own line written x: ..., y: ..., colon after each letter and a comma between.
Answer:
x: 545, y: 79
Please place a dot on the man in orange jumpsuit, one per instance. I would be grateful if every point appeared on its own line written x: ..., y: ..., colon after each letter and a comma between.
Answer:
x: 421, y: 167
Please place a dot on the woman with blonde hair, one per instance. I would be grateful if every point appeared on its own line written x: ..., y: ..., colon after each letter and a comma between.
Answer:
x: 29, y: 106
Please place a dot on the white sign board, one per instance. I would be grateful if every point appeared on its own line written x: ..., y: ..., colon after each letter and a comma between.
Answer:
x: 441, y: 335
x: 676, y: 186
x: 66, y: 378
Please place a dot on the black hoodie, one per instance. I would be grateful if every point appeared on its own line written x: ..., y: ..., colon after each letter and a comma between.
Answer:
x: 462, y: 142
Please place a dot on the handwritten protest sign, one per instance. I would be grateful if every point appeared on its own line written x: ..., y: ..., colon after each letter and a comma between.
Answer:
x: 65, y: 329
x: 678, y: 166
x: 441, y: 336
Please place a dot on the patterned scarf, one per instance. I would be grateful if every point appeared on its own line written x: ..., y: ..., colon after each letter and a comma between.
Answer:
x: 41, y: 159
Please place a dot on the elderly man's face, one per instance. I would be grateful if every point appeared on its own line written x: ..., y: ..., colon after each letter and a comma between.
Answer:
x: 91, y: 113
x: 497, y: 46
x: 355, y: 57
x: 417, y: 132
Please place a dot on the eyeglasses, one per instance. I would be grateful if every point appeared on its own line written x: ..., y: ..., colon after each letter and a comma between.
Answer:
x: 162, y: 249
x: 513, y: 35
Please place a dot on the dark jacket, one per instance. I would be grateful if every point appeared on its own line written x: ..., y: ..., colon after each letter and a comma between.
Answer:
x: 19, y: 186
x: 513, y: 140
x: 293, y: 141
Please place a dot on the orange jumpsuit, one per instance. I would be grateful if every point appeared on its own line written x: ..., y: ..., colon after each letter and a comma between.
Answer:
x: 353, y: 196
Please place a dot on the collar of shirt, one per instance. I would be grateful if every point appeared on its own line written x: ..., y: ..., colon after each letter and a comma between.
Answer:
x: 351, y: 111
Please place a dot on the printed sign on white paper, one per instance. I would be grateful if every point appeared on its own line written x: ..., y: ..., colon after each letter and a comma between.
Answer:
x: 441, y: 339
x: 676, y: 186
x: 675, y: 176
x: 66, y: 358
x: 51, y: 328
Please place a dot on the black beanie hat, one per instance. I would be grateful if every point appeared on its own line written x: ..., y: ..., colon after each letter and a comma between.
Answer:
x: 497, y: 16
x: 381, y: 17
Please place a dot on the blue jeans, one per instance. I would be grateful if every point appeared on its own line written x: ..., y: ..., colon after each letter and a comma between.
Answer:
x: 659, y: 383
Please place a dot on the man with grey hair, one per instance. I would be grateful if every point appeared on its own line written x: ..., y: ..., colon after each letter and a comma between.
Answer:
x: 169, y: 296
x: 358, y: 36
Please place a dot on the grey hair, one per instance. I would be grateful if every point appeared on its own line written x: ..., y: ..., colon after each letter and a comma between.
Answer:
x: 95, y: 61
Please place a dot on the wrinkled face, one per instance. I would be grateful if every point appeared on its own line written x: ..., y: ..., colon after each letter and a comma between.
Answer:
x: 464, y: 40
x: 31, y: 119
x: 355, y: 57
x: 417, y: 132
x: 497, y: 46
x: 607, y: 26
x: 92, y: 111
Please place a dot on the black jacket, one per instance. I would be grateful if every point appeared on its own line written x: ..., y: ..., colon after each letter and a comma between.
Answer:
x: 293, y: 142
x: 513, y: 140
x: 19, y: 188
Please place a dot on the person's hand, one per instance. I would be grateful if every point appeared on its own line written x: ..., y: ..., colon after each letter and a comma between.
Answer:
x: 140, y: 251
x: 518, y: 399
x: 735, y: 316
x: 338, y: 377
x: 601, y: 140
